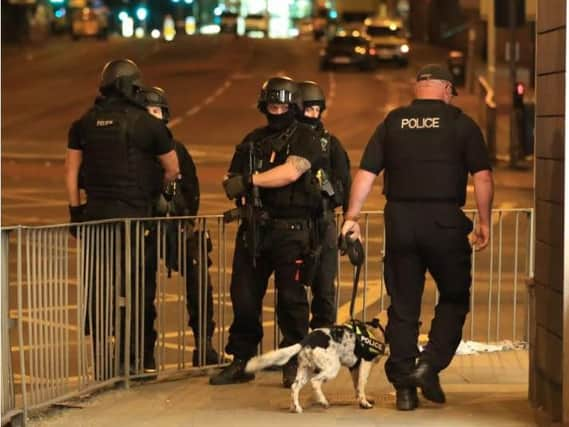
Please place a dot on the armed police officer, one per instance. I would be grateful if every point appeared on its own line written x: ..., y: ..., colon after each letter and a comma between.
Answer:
x: 335, y: 181
x: 125, y: 157
x: 184, y: 200
x: 271, y: 176
x: 427, y: 150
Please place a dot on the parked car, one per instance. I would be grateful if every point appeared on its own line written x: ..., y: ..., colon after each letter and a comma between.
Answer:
x: 257, y: 22
x: 350, y: 49
x: 88, y: 22
x: 228, y: 22
x: 389, y: 38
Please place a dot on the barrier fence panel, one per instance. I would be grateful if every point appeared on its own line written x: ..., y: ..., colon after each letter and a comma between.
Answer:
x: 9, y: 408
x: 84, y: 305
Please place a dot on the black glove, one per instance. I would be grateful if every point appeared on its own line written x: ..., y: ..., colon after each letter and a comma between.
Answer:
x: 171, y: 189
x: 76, y: 214
x: 352, y: 247
x: 237, y: 185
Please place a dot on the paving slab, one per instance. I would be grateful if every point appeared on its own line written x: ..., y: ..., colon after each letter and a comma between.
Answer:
x: 483, y: 389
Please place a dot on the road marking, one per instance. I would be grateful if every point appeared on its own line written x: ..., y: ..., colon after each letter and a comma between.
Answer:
x: 197, y: 108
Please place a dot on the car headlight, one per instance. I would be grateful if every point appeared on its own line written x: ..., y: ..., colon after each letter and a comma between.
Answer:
x: 404, y: 48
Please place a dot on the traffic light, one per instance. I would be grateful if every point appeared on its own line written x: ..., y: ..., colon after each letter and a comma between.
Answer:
x: 502, y: 13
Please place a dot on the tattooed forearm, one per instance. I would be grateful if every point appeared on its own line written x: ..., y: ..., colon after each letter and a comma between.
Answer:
x: 300, y: 163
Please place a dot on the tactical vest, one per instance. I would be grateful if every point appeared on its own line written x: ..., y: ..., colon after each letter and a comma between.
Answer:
x: 423, y: 159
x: 328, y: 172
x: 298, y: 198
x: 114, y: 168
x: 366, y: 346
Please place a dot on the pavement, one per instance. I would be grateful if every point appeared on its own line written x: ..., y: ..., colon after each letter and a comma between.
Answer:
x: 481, y: 389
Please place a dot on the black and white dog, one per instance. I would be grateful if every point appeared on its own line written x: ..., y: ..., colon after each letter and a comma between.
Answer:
x: 356, y: 345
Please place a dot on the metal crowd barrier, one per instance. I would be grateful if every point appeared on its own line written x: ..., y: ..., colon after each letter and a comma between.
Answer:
x: 78, y: 303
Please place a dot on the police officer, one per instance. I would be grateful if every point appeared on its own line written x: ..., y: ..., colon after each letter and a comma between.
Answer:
x: 185, y: 202
x: 427, y: 150
x: 124, y: 154
x: 271, y: 177
x: 335, y: 181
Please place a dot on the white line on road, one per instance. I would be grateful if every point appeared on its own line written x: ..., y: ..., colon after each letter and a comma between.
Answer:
x: 197, y: 108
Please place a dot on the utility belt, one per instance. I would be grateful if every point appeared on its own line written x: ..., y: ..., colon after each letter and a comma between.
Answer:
x: 293, y: 224
x: 447, y: 200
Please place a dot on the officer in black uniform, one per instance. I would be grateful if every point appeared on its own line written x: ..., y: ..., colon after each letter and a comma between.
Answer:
x: 271, y: 177
x: 125, y: 157
x: 335, y: 181
x: 427, y: 150
x: 185, y: 202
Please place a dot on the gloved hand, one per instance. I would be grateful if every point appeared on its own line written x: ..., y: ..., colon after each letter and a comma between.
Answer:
x: 171, y: 189
x: 76, y: 214
x: 237, y: 185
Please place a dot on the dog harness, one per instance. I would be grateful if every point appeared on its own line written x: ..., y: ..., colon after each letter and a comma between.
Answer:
x: 367, y: 347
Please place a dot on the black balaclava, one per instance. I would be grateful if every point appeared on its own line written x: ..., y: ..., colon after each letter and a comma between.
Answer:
x: 281, y: 121
x: 314, y: 122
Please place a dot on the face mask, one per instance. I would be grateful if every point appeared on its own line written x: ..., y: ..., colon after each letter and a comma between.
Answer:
x: 311, y: 121
x: 280, y: 121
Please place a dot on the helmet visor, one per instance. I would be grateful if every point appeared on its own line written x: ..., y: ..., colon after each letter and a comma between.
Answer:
x: 280, y: 96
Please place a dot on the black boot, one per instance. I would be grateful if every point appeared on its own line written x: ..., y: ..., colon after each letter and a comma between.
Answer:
x: 406, y: 399
x: 232, y: 374
x: 289, y: 372
x: 427, y: 378
x: 211, y: 356
x: 149, y: 363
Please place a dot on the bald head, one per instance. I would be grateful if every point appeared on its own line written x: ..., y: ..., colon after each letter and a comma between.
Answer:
x: 434, y: 89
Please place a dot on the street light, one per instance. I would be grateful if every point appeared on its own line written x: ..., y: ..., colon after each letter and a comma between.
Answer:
x: 123, y: 15
x: 142, y: 13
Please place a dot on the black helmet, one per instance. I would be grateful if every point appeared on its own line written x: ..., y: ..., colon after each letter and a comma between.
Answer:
x: 156, y: 96
x: 121, y: 75
x: 279, y: 90
x: 312, y: 94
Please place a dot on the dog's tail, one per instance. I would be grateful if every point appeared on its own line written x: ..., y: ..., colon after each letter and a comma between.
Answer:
x: 276, y: 357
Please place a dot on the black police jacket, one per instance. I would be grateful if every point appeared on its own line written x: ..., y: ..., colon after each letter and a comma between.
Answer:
x: 264, y: 149
x: 423, y: 159
x: 113, y: 166
x: 189, y: 202
x: 336, y: 165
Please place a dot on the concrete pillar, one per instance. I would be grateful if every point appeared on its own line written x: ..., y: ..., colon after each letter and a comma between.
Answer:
x: 549, y: 365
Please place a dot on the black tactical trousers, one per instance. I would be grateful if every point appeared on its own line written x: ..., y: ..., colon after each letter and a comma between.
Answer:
x: 283, y: 251
x: 105, y: 276
x: 420, y: 237
x: 323, y: 306
x: 193, y: 271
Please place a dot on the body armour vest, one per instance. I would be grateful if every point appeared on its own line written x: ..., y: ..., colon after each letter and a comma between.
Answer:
x: 298, y: 198
x: 423, y: 159
x: 115, y: 169
x: 329, y: 166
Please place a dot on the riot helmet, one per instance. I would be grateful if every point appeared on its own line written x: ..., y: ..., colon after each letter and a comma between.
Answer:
x: 279, y: 90
x: 312, y: 94
x: 120, y: 76
x: 156, y: 97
